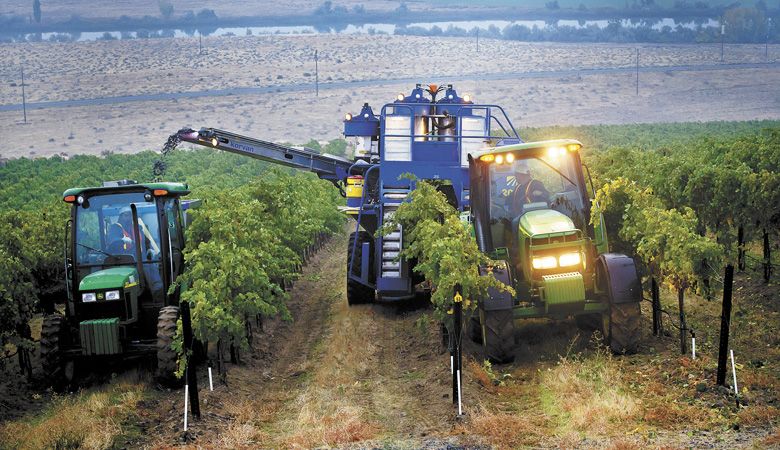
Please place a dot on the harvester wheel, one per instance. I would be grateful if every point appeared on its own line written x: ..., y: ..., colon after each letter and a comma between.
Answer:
x: 498, y: 335
x: 356, y: 292
x: 53, y: 337
x: 624, y: 326
x: 475, y: 330
x: 166, y: 355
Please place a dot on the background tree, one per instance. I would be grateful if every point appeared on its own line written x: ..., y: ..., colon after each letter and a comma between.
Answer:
x: 166, y: 8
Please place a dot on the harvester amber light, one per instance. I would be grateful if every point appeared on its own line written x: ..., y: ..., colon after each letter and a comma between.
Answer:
x: 569, y: 259
x: 487, y: 158
x: 467, y: 98
x: 214, y: 142
x: 348, y: 117
x: 544, y: 262
x: 573, y: 147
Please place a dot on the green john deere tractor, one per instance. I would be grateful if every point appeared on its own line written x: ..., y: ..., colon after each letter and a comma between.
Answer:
x: 530, y: 209
x: 123, y: 250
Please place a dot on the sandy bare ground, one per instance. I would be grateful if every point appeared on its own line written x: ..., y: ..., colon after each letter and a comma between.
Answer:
x: 296, y: 117
x: 65, y: 71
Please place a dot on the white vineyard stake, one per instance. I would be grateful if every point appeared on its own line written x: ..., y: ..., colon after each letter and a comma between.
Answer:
x: 186, y: 396
x: 460, y: 400
x: 693, y: 347
x: 734, y: 372
x: 211, y: 382
x: 452, y: 364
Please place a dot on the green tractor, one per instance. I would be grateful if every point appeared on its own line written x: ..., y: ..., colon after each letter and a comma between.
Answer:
x: 123, y: 249
x: 530, y: 209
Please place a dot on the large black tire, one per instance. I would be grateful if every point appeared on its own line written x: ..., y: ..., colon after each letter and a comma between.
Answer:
x: 54, y: 334
x: 624, y: 328
x: 498, y: 336
x: 166, y: 355
x: 474, y: 329
x: 356, y: 292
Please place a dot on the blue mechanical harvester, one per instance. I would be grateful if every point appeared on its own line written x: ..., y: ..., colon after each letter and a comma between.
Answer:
x: 428, y: 134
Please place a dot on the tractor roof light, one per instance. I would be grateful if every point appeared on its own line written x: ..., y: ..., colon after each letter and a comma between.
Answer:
x: 555, y: 152
x: 510, y: 158
x: 69, y: 198
x: 160, y: 192
x: 80, y: 200
x: 499, y: 159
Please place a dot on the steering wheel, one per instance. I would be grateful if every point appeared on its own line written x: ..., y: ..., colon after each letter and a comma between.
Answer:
x: 117, y: 247
x: 536, y: 192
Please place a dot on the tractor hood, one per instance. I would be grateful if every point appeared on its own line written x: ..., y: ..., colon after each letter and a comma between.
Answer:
x: 113, y: 278
x: 545, y: 221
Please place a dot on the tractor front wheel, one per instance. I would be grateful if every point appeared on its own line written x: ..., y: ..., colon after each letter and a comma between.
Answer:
x: 55, y: 365
x: 624, y: 326
x: 356, y: 292
x: 166, y: 355
x: 498, y: 335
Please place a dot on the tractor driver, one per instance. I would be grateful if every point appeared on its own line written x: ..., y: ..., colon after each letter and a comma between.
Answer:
x: 527, y: 189
x: 122, y: 241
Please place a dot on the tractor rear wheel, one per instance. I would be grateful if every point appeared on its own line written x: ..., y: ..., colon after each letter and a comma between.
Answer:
x: 166, y: 355
x: 53, y: 361
x: 624, y: 326
x: 498, y: 335
x: 474, y: 329
x: 356, y: 292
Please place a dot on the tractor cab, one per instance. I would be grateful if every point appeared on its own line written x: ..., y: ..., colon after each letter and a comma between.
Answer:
x: 531, y: 200
x: 530, y: 210
x: 124, y: 247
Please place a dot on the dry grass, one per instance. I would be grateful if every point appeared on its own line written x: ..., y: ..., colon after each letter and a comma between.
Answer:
x: 758, y: 416
x: 588, y: 395
x: 773, y: 440
x: 341, y: 426
x: 86, y: 420
x: 506, y: 430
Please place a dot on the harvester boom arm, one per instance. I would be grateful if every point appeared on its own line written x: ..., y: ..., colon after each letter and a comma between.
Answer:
x: 328, y: 167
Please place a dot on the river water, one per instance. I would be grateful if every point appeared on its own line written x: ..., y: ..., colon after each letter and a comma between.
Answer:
x: 372, y: 28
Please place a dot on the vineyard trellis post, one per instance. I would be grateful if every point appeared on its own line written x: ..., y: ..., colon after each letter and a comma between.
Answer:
x: 725, y: 323
x: 683, y: 325
x: 656, y: 298
x: 191, y: 371
x: 456, y: 340
x: 767, y: 264
x: 741, y: 248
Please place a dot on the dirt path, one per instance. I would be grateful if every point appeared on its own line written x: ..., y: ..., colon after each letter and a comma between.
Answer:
x: 335, y: 375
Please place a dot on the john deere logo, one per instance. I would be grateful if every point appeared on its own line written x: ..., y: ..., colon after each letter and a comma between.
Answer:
x: 100, y: 296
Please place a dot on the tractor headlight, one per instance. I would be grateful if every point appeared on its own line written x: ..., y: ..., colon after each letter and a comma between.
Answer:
x: 88, y: 297
x: 112, y: 295
x: 569, y: 259
x: 544, y: 262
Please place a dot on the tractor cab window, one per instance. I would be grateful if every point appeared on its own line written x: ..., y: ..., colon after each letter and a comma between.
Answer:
x: 546, y: 181
x: 105, y: 236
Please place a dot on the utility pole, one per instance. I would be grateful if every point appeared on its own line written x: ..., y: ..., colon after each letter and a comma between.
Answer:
x: 24, y: 98
x: 477, y: 40
x: 722, y: 37
x: 316, y: 74
x: 637, y: 71
x: 200, y: 43
x: 766, y: 45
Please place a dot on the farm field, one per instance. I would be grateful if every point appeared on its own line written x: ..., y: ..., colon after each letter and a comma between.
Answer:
x: 567, y: 91
x: 375, y: 375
